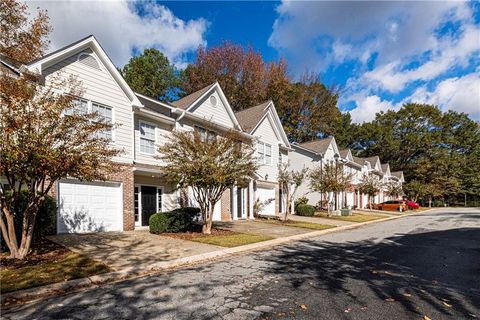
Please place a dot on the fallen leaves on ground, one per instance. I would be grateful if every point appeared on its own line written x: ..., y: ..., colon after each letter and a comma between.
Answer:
x: 407, y: 294
x: 303, y: 307
x: 348, y: 310
x: 390, y: 299
x: 426, y: 318
x: 446, y: 304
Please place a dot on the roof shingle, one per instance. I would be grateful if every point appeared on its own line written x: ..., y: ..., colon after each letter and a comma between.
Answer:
x: 319, y: 146
x: 249, y: 118
x: 186, y: 101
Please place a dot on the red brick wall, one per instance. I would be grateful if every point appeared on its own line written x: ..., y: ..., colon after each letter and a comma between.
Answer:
x: 226, y: 205
x: 126, y: 177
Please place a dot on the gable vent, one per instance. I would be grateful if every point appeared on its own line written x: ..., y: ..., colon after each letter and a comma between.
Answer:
x: 88, y: 60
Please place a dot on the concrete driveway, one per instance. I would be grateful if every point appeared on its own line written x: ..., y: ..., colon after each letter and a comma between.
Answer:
x: 131, y: 250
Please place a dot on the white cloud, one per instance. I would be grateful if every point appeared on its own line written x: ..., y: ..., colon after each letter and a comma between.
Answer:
x: 460, y: 94
x: 368, y: 106
x: 120, y: 28
x: 391, y: 77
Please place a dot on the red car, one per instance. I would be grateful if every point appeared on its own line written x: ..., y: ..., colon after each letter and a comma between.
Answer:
x: 412, y: 205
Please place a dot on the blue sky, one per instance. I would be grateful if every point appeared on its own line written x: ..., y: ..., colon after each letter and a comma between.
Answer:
x: 381, y: 54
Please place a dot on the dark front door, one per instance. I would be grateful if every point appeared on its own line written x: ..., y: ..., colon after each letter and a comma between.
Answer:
x: 149, y: 203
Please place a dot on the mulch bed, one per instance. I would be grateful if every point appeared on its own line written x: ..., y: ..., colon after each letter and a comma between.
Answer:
x: 42, y: 252
x: 189, y: 235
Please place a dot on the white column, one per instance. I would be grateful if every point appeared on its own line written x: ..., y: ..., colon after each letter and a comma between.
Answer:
x: 234, y: 203
x: 251, y: 199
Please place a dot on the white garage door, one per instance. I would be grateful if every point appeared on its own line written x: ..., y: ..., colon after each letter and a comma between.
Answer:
x: 89, y: 207
x: 267, y: 198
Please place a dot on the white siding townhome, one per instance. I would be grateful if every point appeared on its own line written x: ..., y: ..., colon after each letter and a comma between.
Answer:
x: 130, y: 196
x: 271, y: 148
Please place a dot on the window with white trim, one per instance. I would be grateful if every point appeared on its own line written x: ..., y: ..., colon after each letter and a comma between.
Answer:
x: 147, y: 138
x: 264, y: 153
x: 206, y: 134
x: 105, y: 114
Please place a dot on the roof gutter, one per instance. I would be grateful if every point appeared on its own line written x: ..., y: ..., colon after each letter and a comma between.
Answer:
x: 296, y: 145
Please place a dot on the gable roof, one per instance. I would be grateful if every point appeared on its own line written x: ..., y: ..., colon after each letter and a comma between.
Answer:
x: 398, y: 174
x: 373, y: 160
x: 317, y: 146
x: 249, y: 118
x: 188, y: 100
x: 252, y: 117
x: 40, y: 64
x: 385, y: 167
x: 345, y: 153
x: 361, y: 161
x: 154, y: 105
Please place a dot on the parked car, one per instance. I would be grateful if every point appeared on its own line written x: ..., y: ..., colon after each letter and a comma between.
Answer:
x: 393, y: 205
x: 412, y: 205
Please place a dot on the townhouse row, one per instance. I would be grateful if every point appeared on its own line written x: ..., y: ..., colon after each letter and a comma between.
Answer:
x: 139, y: 189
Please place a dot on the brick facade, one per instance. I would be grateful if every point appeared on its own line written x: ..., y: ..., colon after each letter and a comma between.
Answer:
x: 126, y: 177
x: 226, y: 205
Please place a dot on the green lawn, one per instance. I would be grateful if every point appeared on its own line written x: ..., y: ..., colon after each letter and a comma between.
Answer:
x: 356, y: 217
x: 232, y: 240
x: 71, y: 266
x: 300, y: 224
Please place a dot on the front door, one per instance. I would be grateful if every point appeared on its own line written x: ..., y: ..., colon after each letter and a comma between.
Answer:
x: 149, y: 203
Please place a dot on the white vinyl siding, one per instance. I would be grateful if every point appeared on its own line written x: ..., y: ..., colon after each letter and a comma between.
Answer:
x: 217, y: 114
x: 100, y: 86
x: 265, y: 132
x: 147, y: 138
x: 260, y: 152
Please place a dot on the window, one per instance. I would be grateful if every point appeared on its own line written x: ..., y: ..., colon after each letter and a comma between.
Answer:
x: 264, y: 153
x: 268, y: 154
x: 104, y: 115
x: 79, y: 107
x: 210, y: 135
x: 147, y: 138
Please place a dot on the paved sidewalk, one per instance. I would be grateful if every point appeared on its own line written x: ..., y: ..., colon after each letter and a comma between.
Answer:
x: 258, y: 227
x: 131, y: 250
x: 320, y: 220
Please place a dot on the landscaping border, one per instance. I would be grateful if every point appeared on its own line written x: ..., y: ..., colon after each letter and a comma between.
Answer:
x: 12, y: 299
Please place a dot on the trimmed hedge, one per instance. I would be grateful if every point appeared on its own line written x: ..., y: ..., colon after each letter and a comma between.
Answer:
x: 178, y: 220
x: 305, y: 210
x: 46, y: 221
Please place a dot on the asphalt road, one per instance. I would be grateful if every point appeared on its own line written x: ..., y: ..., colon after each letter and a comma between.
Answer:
x: 409, y: 268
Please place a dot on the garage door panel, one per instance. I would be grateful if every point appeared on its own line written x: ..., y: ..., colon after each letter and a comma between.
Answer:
x: 267, y: 198
x: 89, y: 207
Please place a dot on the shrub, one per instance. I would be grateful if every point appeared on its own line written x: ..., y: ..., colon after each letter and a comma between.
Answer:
x: 300, y: 201
x: 305, y: 210
x: 177, y: 220
x: 45, y: 224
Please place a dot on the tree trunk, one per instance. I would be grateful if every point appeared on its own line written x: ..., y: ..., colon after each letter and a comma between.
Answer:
x: 207, y: 226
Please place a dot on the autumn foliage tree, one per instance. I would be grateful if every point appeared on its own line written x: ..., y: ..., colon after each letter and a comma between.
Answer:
x: 329, y: 177
x: 44, y: 139
x: 20, y: 39
x: 370, y: 186
x: 209, y: 165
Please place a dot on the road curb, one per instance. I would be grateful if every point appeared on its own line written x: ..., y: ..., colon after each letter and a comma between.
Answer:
x: 39, y: 293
